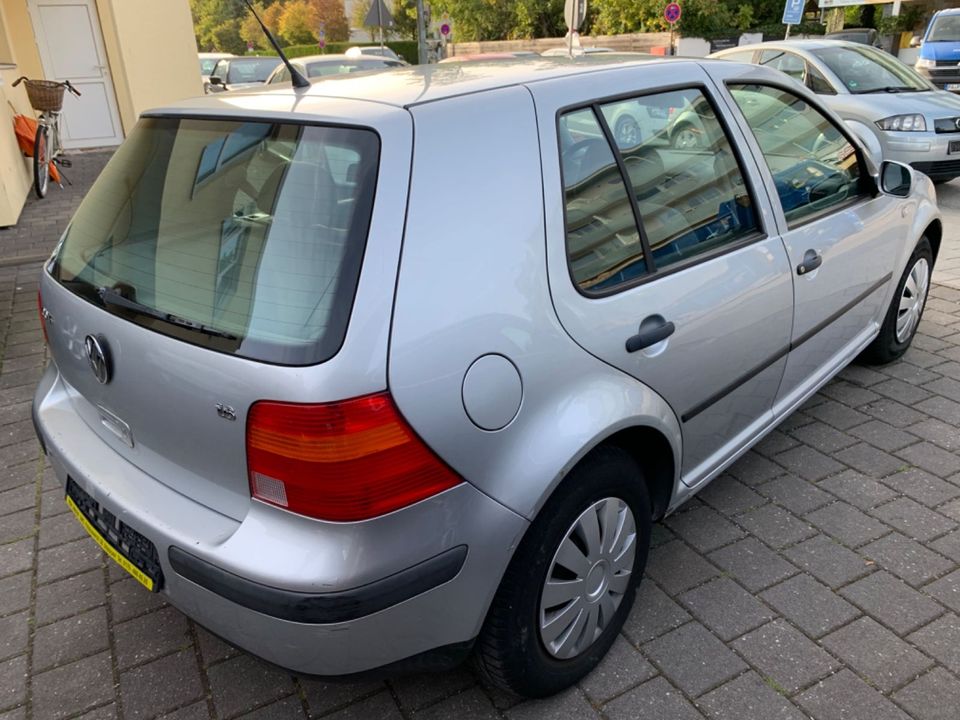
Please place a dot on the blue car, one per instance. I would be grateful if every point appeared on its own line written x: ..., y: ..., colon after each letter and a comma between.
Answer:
x: 939, y: 59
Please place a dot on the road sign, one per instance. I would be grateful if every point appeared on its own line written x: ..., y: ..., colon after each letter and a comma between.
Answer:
x: 445, y: 29
x: 574, y: 12
x: 672, y: 12
x: 793, y: 12
x: 378, y: 15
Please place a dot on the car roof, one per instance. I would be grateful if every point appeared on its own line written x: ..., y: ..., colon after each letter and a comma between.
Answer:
x: 948, y: 11
x: 799, y: 44
x: 416, y: 84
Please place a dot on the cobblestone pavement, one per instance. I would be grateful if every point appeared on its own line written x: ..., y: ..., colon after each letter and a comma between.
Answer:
x: 819, y: 577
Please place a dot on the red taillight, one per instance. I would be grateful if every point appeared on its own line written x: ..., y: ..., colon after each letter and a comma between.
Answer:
x: 343, y: 461
x: 43, y: 320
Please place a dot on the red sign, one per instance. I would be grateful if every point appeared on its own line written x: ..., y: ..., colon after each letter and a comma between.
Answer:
x: 672, y: 12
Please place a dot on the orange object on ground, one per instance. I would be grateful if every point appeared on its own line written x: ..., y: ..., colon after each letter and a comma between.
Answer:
x: 26, y: 131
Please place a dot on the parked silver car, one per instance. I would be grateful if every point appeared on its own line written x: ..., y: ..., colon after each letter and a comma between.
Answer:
x: 341, y: 456
x: 315, y: 66
x: 876, y: 94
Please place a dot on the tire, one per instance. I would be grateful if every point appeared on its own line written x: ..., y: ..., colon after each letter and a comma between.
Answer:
x: 511, y: 651
x: 893, y: 341
x: 685, y: 137
x: 626, y: 132
x: 41, y: 161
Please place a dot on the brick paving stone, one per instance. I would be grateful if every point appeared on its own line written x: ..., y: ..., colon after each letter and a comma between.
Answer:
x: 704, y: 528
x: 951, y: 509
x: 675, y: 567
x: 808, y: 463
x: 471, y: 704
x: 622, y: 668
x: 892, y: 602
x: 22, y: 474
x: 70, y: 639
x: 730, y: 496
x: 837, y: 415
x: 870, y: 461
x: 913, y: 519
x: 904, y: 392
x: 937, y: 432
x: 823, y: 437
x: 323, y: 697
x: 14, y: 632
x: 775, y: 443
x: 907, y: 559
x: 948, y: 545
x: 16, y: 557
x: 752, y: 564
x: 660, y: 534
x: 694, y: 659
x: 828, y: 561
x: 848, y: 393
x: 165, y: 684
x: 747, y: 697
x: 726, y: 608
x: 653, y: 614
x: 931, y: 458
x: 893, y: 413
x: 244, y: 682
x: 945, y: 387
x: 13, y: 682
x: 812, y: 607
x: 14, y: 593
x: 69, y: 559
x: 212, y: 648
x: 796, y: 495
x: 19, y: 713
x: 568, y: 705
x: 923, y: 487
x: 753, y: 469
x: 946, y: 590
x: 910, y: 371
x: 935, y: 696
x: 939, y: 407
x: 847, y: 524
x: 417, y: 691
x: 796, y: 419
x: 17, y: 526
x: 655, y: 699
x: 861, y: 375
x: 20, y: 498
x: 877, y: 654
x: 844, y: 696
x: 51, y: 503
x: 72, y: 688
x: 785, y: 655
x: 104, y: 712
x: 775, y: 526
x: 59, y: 530
x: 941, y: 640
x: 382, y: 707
x: 858, y: 490
x: 69, y: 597
x: 128, y: 599
x: 289, y: 707
x: 150, y: 636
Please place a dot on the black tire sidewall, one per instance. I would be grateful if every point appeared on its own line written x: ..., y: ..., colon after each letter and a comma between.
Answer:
x: 530, y: 669
x: 886, y: 348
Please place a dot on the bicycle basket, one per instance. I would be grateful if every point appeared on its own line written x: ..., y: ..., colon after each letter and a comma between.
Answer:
x: 45, y: 95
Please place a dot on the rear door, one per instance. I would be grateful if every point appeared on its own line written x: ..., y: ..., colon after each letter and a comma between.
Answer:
x: 660, y: 258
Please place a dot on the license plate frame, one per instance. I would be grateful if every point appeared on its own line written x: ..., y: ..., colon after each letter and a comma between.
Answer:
x: 953, y: 147
x: 133, y: 552
x: 952, y: 87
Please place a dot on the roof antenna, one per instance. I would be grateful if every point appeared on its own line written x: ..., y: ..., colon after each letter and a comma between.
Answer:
x: 299, y: 81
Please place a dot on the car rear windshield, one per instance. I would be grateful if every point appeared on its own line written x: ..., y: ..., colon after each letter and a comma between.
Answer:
x: 251, y: 71
x: 246, y: 237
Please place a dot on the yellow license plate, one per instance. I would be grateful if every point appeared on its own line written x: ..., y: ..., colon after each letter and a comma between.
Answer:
x: 109, y: 549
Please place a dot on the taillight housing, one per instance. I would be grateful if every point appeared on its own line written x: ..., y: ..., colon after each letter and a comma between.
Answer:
x: 43, y: 319
x: 343, y: 461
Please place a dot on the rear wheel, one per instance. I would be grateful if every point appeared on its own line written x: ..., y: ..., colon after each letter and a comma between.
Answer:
x: 41, y: 161
x: 572, y: 581
x: 626, y: 132
x: 906, y: 309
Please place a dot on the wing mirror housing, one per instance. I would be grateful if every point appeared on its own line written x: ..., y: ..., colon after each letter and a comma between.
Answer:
x: 916, y: 41
x: 895, y: 178
x: 214, y: 80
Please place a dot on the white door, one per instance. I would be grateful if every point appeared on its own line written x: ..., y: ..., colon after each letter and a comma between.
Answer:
x: 71, y: 48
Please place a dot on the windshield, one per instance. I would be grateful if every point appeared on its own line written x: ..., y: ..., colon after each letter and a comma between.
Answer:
x: 945, y: 28
x: 865, y: 70
x: 251, y: 71
x: 244, y: 237
x: 319, y: 69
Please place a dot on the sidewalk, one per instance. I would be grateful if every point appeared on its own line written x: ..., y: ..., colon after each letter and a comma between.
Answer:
x: 818, y: 578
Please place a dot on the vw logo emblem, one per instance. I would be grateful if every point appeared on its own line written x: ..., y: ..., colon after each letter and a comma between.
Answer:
x: 956, y: 122
x: 98, y: 359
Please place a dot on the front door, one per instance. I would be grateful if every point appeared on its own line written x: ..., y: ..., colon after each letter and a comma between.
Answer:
x: 71, y: 48
x: 661, y: 263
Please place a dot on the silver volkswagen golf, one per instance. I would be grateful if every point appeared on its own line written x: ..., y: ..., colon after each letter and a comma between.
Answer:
x: 402, y: 367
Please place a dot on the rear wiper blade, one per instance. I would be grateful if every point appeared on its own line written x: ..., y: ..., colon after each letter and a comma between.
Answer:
x: 110, y: 296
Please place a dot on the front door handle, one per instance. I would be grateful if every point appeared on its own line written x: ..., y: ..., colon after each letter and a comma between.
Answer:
x: 653, y: 329
x: 811, y: 261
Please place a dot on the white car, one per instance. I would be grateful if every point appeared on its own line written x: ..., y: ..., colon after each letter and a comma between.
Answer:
x: 374, y: 51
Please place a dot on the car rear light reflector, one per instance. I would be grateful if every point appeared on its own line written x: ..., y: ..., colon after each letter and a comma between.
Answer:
x: 343, y: 461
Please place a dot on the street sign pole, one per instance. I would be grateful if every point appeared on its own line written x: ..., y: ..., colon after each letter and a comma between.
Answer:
x: 421, y: 34
x: 672, y: 13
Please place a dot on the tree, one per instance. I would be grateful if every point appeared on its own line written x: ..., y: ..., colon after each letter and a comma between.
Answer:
x: 250, y: 29
x: 405, y: 19
x: 298, y: 23
x: 359, y: 15
x: 214, y: 24
x: 331, y: 15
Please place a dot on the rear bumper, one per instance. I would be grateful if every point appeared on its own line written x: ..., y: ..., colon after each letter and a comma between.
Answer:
x: 318, y: 598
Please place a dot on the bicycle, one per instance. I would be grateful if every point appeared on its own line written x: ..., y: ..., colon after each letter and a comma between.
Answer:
x: 46, y: 97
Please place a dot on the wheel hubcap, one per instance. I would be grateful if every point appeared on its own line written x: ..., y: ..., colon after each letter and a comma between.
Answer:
x: 628, y: 133
x: 912, y: 299
x: 587, y: 578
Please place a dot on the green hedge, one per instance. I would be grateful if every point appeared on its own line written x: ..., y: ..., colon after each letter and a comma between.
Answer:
x: 407, y: 49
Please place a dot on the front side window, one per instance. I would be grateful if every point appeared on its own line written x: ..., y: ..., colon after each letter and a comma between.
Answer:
x: 786, y: 62
x: 685, y: 186
x: 814, y: 166
x: 242, y: 236
x: 251, y: 71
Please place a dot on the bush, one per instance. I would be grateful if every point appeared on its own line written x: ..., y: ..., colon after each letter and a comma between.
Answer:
x: 406, y: 49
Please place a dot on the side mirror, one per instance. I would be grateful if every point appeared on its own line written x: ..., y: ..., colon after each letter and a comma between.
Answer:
x: 214, y: 80
x: 915, y: 41
x: 895, y: 178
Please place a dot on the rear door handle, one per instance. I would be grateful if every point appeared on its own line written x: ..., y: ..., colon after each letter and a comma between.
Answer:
x: 653, y: 329
x: 811, y: 261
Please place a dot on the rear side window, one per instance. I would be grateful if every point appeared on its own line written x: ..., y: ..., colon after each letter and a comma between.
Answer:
x: 814, y: 167
x: 686, y: 191
x: 244, y: 237
x: 250, y: 71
